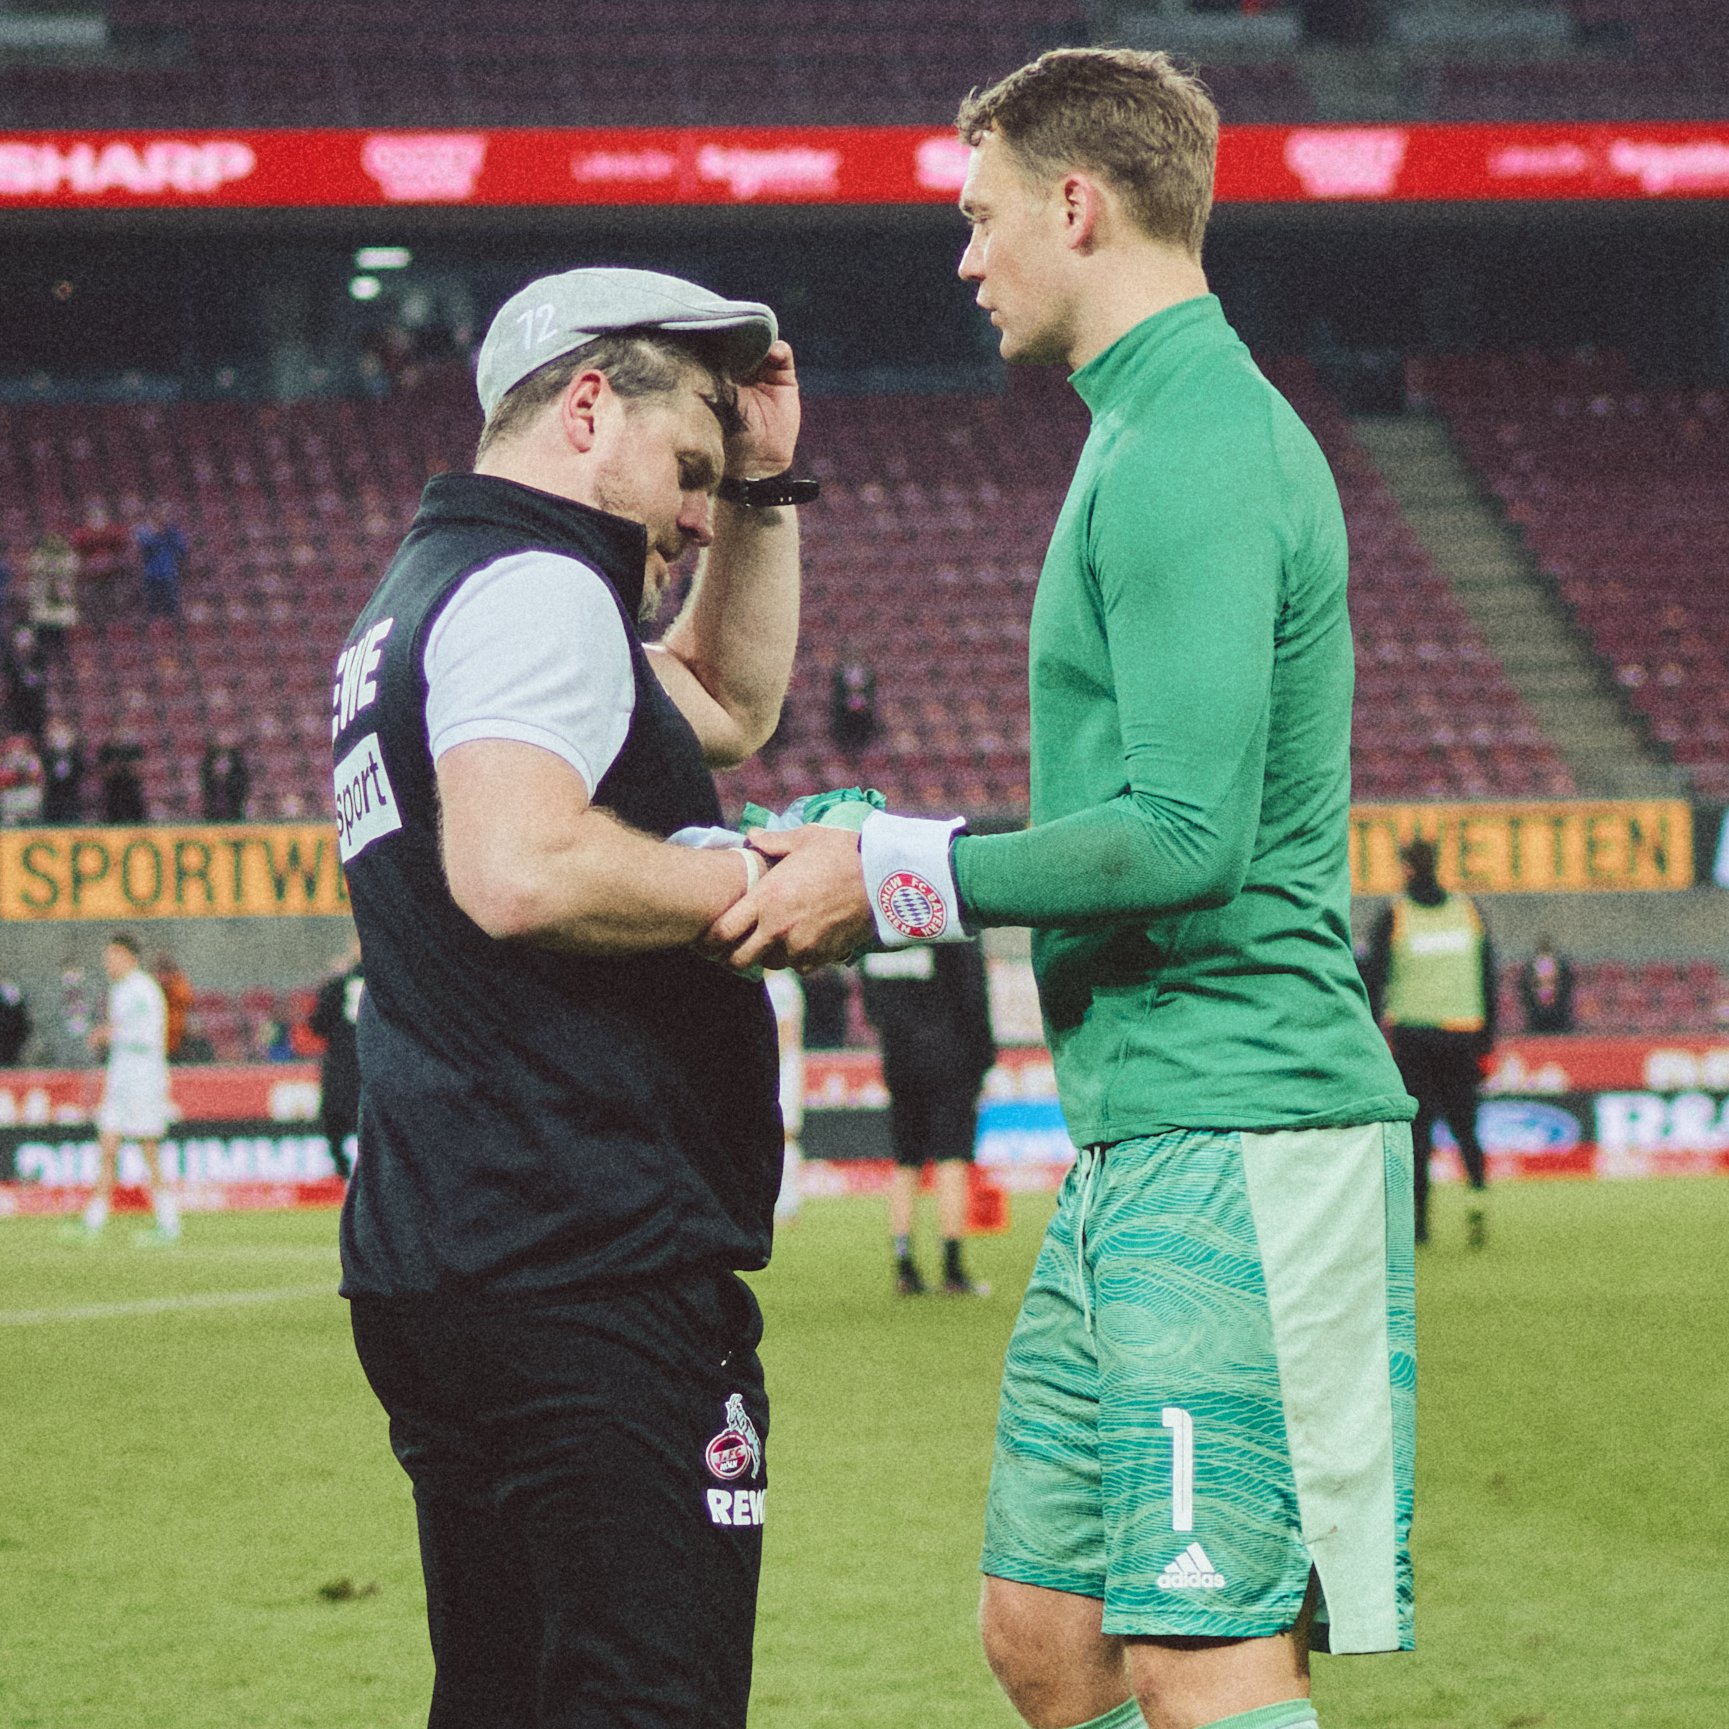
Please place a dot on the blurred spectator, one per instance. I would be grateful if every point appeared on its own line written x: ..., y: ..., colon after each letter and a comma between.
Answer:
x: 70, y: 1037
x: 103, y: 547
x: 226, y: 780
x: 1430, y: 974
x: 26, y: 683
x: 14, y: 1024
x: 53, y: 570
x: 5, y: 585
x: 177, y: 995
x: 1546, y: 990
x: 20, y: 782
x: 62, y: 775
x: 196, y: 1048
x: 931, y: 1009
x: 852, y: 714
x: 122, y: 789
x: 827, y: 993
x: 334, y: 1018
x: 275, y: 1040
x: 163, y: 548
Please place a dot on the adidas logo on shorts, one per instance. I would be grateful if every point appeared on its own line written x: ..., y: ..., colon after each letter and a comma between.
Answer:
x: 1191, y: 1571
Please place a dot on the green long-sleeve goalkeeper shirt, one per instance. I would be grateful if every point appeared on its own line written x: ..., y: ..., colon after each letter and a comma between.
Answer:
x: 1191, y: 670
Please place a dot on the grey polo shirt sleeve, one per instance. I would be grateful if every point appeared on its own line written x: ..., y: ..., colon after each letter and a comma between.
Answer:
x: 531, y: 647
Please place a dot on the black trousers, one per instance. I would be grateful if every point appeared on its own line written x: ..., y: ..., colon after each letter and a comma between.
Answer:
x: 932, y: 1117
x: 1440, y: 1072
x: 589, y: 1483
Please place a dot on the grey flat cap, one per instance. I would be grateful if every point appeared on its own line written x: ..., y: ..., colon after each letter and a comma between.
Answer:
x: 552, y: 316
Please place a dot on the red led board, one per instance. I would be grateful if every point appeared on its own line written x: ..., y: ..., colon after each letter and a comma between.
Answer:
x: 530, y: 167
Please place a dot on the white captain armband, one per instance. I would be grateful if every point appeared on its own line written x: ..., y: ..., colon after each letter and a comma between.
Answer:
x: 910, y: 879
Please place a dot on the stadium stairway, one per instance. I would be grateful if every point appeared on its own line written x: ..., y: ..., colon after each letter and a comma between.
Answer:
x: 1490, y: 569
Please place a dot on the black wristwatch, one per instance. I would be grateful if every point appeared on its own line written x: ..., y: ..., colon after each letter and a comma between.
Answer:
x: 772, y: 491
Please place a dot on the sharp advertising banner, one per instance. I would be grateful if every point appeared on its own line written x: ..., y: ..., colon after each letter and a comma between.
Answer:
x: 530, y: 166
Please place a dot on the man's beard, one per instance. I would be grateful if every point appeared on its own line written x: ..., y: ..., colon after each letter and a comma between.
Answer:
x: 615, y: 501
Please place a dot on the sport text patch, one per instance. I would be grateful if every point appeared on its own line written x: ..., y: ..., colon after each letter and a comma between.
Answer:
x: 365, y: 806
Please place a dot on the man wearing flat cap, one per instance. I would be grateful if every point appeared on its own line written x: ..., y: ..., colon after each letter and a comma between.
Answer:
x: 569, y: 1137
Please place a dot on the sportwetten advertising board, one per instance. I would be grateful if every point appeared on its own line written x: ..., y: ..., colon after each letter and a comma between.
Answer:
x: 232, y: 870
x: 1529, y: 848
x: 287, y: 870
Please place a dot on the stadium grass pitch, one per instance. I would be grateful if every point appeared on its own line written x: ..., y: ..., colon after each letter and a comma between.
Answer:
x: 201, y: 1526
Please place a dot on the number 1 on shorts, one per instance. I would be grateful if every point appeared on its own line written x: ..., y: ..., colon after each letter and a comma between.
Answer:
x: 1182, y: 1427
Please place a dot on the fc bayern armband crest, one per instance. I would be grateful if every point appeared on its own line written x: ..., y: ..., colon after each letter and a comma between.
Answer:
x: 910, y: 880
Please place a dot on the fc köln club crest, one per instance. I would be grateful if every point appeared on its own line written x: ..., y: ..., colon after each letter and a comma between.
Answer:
x: 737, y: 1448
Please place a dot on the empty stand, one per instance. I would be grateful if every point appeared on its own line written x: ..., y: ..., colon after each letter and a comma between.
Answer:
x: 921, y: 557
x: 1436, y: 715
x: 1619, y: 491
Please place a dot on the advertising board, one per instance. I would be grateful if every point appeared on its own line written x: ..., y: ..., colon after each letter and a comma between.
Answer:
x: 228, y: 870
x: 248, y: 1136
x: 538, y: 166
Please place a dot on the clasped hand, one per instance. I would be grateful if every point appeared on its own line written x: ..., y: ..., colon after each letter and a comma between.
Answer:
x: 809, y: 909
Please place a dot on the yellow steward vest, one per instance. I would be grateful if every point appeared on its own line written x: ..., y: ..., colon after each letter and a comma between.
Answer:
x: 1435, y: 971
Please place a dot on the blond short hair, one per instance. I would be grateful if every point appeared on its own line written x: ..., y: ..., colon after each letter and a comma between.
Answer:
x: 1136, y: 118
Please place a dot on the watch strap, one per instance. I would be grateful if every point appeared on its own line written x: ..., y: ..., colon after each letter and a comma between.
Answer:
x: 771, y: 491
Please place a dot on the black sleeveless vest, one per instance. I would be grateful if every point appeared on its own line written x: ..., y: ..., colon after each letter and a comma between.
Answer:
x: 532, y: 1121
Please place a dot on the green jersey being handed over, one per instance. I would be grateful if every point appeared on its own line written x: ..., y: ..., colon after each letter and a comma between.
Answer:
x: 1192, y: 671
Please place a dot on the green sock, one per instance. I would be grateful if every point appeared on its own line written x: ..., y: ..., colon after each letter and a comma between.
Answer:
x: 1288, y: 1714
x: 1126, y: 1716
x: 1291, y: 1714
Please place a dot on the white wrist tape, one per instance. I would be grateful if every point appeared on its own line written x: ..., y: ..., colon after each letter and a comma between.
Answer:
x: 752, y: 867
x: 910, y: 880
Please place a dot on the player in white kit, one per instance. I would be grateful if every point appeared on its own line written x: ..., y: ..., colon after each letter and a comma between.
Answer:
x: 135, y: 1094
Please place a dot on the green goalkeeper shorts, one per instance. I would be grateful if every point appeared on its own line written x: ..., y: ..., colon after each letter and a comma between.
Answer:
x: 1210, y: 1394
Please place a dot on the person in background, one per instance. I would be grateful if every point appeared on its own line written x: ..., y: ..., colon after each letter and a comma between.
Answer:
x: 103, y: 547
x: 162, y: 547
x: 26, y: 683
x: 62, y: 774
x: 177, y: 995
x: 853, y: 702
x: 334, y: 1017
x: 931, y: 1011
x: 787, y: 995
x: 226, y: 780
x: 67, y: 1034
x: 135, y: 1094
x: 53, y: 571
x: 1430, y: 973
x: 827, y: 999
x: 122, y: 787
x: 1546, y: 990
x: 14, y: 1024
x: 20, y: 783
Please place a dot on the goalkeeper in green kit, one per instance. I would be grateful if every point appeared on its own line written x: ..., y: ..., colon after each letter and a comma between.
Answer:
x: 1204, y: 1452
